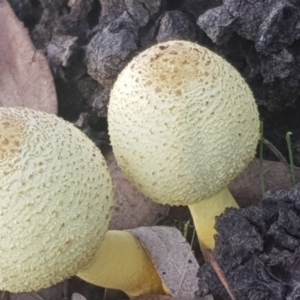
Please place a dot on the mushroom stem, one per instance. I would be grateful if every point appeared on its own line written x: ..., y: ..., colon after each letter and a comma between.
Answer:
x: 204, y: 214
x: 122, y: 263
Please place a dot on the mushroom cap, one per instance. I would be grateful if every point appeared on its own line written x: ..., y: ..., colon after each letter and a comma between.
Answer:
x: 183, y: 122
x: 55, y: 199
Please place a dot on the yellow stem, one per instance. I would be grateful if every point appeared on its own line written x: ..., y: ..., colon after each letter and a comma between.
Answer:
x: 122, y: 263
x: 204, y: 214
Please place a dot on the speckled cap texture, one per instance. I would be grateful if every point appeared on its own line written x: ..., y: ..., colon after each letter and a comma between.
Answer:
x: 183, y: 122
x: 55, y: 199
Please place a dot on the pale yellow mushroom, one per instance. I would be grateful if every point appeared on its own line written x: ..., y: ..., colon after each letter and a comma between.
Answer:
x: 122, y: 263
x: 56, y: 196
x: 183, y: 124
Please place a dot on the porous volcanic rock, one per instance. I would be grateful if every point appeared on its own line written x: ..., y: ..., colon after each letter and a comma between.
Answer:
x: 258, y: 249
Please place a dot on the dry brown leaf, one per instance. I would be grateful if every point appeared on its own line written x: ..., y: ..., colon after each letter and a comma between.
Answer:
x: 25, y: 76
x: 159, y: 297
x: 131, y: 208
x: 172, y: 257
x: 246, y: 188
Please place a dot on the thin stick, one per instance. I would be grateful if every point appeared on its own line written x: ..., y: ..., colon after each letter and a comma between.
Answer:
x: 65, y: 290
x: 219, y: 272
x: 4, y: 295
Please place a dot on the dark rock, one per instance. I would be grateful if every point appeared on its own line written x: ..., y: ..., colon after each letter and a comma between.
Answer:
x: 143, y: 10
x: 261, y: 39
x: 194, y: 7
x: 107, y: 53
x: 27, y: 12
x: 88, y: 42
x: 59, y: 50
x: 111, y: 47
x: 218, y: 24
x: 176, y: 25
x: 258, y: 248
x: 272, y: 25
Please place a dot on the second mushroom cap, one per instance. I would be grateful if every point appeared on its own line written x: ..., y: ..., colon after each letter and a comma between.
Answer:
x: 183, y: 122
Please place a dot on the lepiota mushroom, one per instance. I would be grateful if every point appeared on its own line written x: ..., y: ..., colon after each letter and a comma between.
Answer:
x: 122, y: 263
x: 56, y: 196
x: 183, y: 124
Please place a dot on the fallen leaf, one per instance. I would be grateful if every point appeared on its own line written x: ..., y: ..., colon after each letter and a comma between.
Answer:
x: 159, y: 297
x: 25, y: 77
x: 172, y: 257
x: 54, y: 292
x: 131, y: 208
x: 76, y: 296
x: 246, y: 188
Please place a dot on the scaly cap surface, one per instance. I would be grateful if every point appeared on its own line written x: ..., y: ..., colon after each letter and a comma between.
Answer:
x: 55, y: 199
x: 182, y: 121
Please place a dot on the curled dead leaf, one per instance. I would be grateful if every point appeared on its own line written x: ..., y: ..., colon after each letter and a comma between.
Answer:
x: 160, y: 297
x: 25, y: 77
x: 173, y: 258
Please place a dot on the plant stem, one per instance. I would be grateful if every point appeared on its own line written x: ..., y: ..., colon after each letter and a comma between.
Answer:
x: 122, y: 263
x: 291, y: 158
x: 261, y: 158
x: 204, y: 215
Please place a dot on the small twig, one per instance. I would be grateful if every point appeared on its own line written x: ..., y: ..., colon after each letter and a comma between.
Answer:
x: 65, y: 290
x: 219, y: 272
x: 5, y: 296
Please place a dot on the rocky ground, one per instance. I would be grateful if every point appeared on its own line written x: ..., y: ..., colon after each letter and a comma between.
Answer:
x: 88, y: 42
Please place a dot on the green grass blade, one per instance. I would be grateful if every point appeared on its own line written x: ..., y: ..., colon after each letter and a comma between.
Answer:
x: 291, y: 158
x: 261, y: 158
x: 186, y: 229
